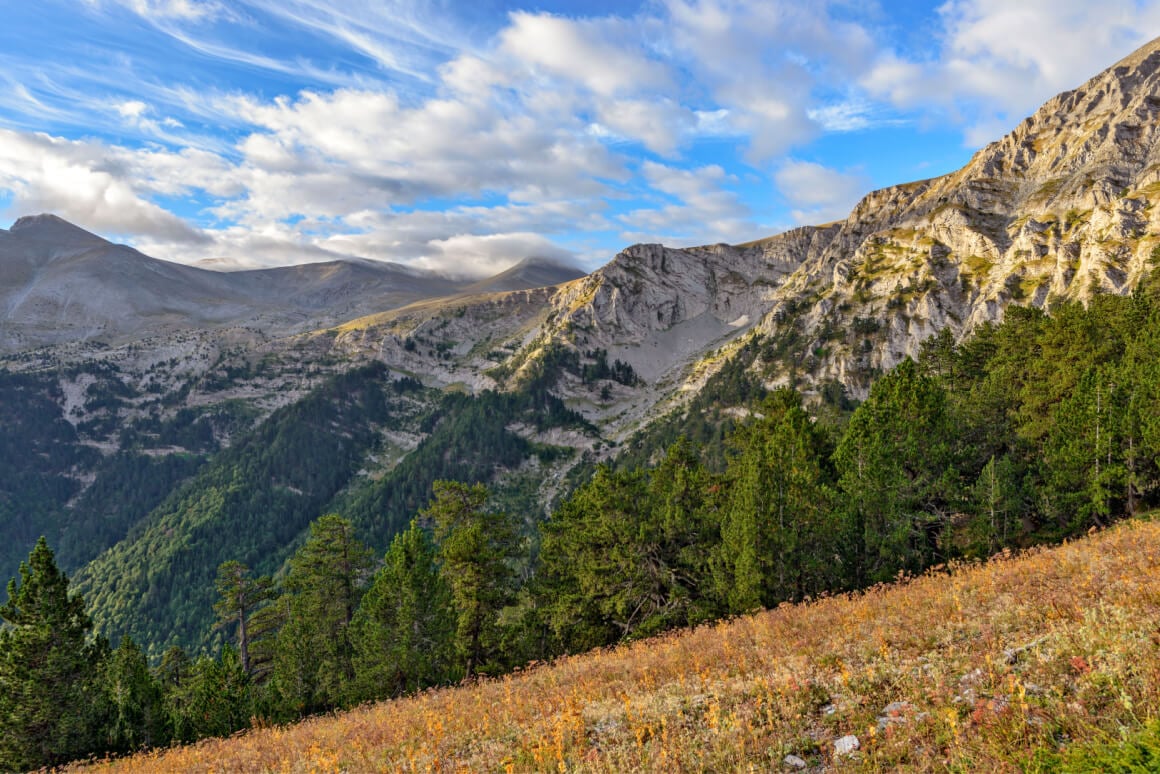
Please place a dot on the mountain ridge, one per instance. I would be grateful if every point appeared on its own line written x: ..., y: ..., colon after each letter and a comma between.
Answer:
x: 60, y: 283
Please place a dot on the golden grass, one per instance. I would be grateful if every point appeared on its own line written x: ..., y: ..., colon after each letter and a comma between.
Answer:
x: 996, y: 661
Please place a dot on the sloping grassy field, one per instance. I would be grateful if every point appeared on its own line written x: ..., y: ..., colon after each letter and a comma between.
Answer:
x: 1044, y: 661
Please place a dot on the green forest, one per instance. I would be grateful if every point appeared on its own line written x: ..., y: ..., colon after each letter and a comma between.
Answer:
x: 1027, y: 432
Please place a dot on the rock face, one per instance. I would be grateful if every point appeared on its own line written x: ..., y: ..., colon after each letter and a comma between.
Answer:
x: 1061, y: 208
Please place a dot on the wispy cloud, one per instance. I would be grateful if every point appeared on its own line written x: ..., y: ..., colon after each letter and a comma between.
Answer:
x: 997, y: 61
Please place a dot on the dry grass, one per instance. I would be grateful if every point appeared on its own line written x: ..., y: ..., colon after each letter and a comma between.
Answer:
x: 996, y: 661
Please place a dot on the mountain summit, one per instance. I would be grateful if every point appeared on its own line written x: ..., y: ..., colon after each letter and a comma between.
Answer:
x: 51, y: 228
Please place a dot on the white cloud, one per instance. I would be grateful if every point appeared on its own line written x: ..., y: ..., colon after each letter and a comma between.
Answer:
x: 132, y: 109
x: 422, y: 143
x: 89, y: 184
x: 701, y: 209
x: 660, y: 125
x: 468, y: 255
x: 604, y: 55
x: 186, y: 10
x: 403, y: 36
x: 997, y: 61
x: 819, y: 194
x: 762, y: 61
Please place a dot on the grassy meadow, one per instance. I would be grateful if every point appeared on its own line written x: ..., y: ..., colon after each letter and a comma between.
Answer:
x: 1043, y: 661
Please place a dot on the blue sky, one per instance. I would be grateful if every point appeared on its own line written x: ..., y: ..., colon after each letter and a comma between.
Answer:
x: 463, y: 137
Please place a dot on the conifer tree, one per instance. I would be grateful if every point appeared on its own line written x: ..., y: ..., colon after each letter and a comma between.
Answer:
x: 476, y: 548
x: 49, y: 683
x: 589, y: 564
x: 627, y: 555
x: 136, y: 718
x: 996, y: 500
x: 213, y: 699
x: 240, y: 599
x: 403, y: 630
x: 683, y: 526
x: 314, y: 658
x: 1085, y: 468
x: 776, y: 525
x: 895, y: 463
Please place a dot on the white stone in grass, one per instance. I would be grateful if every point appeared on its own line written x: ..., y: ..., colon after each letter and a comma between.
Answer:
x: 847, y: 745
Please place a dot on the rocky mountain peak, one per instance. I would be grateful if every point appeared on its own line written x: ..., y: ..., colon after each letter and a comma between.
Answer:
x: 1059, y: 209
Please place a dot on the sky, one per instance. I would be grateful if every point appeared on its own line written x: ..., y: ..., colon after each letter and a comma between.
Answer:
x: 462, y: 137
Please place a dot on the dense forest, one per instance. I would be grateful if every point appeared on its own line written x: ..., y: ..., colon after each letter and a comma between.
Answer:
x: 144, y: 528
x: 1026, y: 432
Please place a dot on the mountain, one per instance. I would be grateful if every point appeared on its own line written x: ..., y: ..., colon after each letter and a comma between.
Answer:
x: 59, y: 283
x: 1059, y: 209
x: 168, y: 380
x: 528, y: 273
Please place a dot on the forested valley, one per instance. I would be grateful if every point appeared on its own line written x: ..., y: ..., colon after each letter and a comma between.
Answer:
x: 1030, y: 431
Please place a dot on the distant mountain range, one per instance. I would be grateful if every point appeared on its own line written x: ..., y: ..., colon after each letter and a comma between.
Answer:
x: 59, y: 283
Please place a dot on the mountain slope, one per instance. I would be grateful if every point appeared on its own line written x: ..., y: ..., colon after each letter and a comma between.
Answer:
x: 1061, y: 208
x: 1020, y: 664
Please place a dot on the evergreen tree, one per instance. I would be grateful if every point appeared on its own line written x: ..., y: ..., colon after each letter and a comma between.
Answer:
x: 627, y: 555
x: 137, y: 718
x: 776, y: 533
x: 476, y: 549
x: 240, y: 599
x: 403, y: 630
x: 213, y: 699
x: 589, y: 573
x: 314, y: 658
x: 683, y: 524
x: 997, y: 504
x: 49, y: 686
x: 896, y: 472
x: 1086, y: 472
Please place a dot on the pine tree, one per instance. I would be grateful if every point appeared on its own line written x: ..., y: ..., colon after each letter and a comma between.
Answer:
x: 403, y: 630
x: 589, y: 575
x: 49, y: 683
x: 1084, y: 464
x: 136, y: 718
x: 776, y: 529
x: 314, y: 658
x: 240, y: 599
x: 627, y: 554
x: 896, y: 472
x: 476, y: 549
x: 683, y: 526
x: 213, y: 699
x: 996, y: 500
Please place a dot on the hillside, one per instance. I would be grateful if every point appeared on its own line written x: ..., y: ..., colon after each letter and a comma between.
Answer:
x: 1044, y: 661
